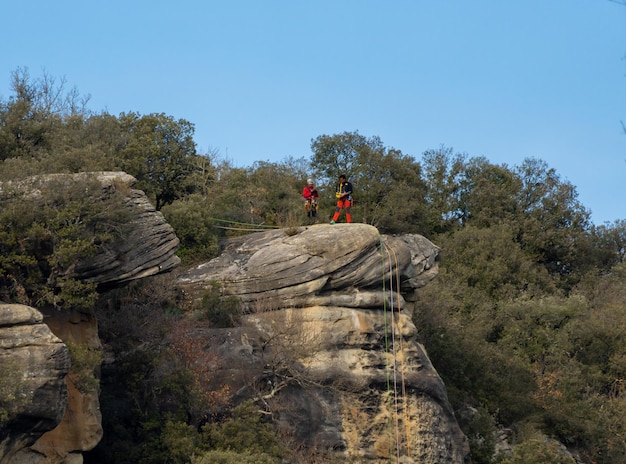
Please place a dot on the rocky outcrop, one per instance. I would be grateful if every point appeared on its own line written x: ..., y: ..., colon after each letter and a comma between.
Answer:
x: 80, y: 428
x: 328, y: 344
x: 57, y: 416
x: 33, y: 365
x: 148, y: 247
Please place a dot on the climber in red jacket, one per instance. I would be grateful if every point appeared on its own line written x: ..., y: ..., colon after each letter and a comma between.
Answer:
x: 310, y: 199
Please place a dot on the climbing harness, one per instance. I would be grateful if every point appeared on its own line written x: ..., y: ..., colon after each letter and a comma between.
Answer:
x: 310, y: 205
x: 340, y: 190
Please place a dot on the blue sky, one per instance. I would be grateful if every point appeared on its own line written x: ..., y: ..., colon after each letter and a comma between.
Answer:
x: 259, y: 79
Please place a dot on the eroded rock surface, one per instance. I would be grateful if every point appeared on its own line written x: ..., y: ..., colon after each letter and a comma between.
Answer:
x: 56, y: 415
x: 147, y: 248
x: 34, y: 363
x: 328, y: 343
x: 147, y: 245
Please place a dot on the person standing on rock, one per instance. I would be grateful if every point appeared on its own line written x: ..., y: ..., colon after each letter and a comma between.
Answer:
x: 310, y: 199
x: 344, y: 199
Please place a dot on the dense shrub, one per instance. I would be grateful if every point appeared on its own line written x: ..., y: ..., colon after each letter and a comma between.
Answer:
x: 220, y: 311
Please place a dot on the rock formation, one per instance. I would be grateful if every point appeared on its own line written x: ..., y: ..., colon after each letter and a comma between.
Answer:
x: 33, y: 364
x: 148, y: 248
x: 328, y: 344
x: 59, y: 418
x: 149, y: 244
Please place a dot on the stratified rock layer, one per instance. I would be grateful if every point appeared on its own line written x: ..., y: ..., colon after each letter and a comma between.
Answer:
x: 55, y: 419
x: 33, y: 365
x: 148, y: 247
x: 328, y: 343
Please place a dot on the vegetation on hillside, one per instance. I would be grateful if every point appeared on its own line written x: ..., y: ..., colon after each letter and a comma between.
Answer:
x: 526, y: 322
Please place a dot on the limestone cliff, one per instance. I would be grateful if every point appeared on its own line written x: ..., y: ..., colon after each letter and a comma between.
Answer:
x: 328, y: 344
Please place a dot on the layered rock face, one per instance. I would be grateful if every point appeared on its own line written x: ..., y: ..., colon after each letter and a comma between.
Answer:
x: 33, y: 364
x: 59, y: 417
x: 328, y: 344
x: 149, y: 247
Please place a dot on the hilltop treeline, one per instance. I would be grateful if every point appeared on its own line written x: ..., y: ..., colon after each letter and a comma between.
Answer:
x: 526, y: 322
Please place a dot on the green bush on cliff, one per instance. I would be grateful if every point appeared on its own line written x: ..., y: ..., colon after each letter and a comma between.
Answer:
x: 220, y: 311
x: 85, y: 363
x: 46, y: 229
x: 539, y: 450
x: 247, y: 431
x: 191, y: 219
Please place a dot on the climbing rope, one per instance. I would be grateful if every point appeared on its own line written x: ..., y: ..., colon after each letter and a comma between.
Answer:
x: 389, y: 252
x: 407, y: 424
x: 248, y: 227
x: 386, y: 331
x: 395, y: 361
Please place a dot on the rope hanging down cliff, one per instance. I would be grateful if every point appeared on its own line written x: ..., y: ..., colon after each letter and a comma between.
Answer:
x: 395, y: 423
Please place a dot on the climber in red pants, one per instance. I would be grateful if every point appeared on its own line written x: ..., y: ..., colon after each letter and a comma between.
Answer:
x: 344, y: 199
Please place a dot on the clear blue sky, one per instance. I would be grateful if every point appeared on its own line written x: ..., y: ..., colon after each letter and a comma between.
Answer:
x: 259, y: 79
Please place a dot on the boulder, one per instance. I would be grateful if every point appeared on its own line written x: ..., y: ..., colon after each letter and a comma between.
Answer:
x: 148, y: 245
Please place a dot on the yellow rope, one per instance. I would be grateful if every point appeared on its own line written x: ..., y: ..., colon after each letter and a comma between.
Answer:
x: 263, y: 226
x: 395, y: 359
x: 241, y: 228
x: 386, y: 339
x: 389, y: 251
x: 402, y: 365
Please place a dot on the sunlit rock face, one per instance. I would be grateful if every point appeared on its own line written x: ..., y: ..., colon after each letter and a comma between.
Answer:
x: 328, y: 344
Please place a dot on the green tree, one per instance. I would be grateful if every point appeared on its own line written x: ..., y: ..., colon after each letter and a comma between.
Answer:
x: 231, y: 198
x: 548, y: 222
x: 609, y: 244
x: 48, y: 226
x: 32, y: 118
x: 388, y: 187
x: 554, y: 227
x: 444, y: 176
x: 247, y: 431
x: 490, y: 263
x: 159, y: 151
x: 276, y: 190
x: 192, y: 220
x: 488, y: 194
